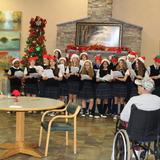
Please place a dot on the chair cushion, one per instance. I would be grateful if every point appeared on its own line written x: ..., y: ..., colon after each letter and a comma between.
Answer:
x: 59, y: 126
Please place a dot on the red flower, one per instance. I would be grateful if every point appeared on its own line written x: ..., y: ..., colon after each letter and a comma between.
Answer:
x: 16, y: 93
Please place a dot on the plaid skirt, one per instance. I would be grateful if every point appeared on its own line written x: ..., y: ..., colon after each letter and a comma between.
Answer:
x: 31, y: 88
x: 119, y: 89
x: 103, y: 90
x: 134, y: 90
x: 87, y: 90
x: 73, y: 87
x: 157, y: 91
x: 51, y: 92
x: 63, y: 88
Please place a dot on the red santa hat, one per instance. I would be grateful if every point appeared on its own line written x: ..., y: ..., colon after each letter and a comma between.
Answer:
x: 105, y: 60
x: 122, y: 58
x: 113, y: 58
x: 89, y: 61
x: 58, y: 50
x: 157, y: 58
x: 62, y: 58
x: 132, y: 54
x: 45, y: 56
x: 83, y: 53
x: 142, y: 59
x: 74, y: 56
x: 32, y: 58
x: 15, y: 60
x: 98, y: 58
x: 52, y: 57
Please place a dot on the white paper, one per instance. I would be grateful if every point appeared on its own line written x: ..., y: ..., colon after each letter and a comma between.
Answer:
x: 116, y: 74
x: 108, y: 77
x: 48, y: 73
x: 62, y: 68
x: 19, y: 74
x: 74, y: 69
x: 39, y: 69
x: 14, y: 106
x: 84, y: 76
x: 34, y: 75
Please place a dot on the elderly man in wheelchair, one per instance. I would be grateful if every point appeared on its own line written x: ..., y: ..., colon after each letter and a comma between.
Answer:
x: 138, y: 129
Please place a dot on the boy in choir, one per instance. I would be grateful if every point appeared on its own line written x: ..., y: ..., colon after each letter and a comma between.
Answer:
x: 87, y: 90
x: 31, y: 78
x: 73, y: 78
x: 103, y: 89
x: 15, y: 75
x: 119, y: 86
x: 63, y: 84
x: 153, y: 72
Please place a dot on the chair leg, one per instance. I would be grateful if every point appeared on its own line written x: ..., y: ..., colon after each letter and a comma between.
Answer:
x: 75, y: 137
x: 66, y: 138
x: 47, y: 143
x: 40, y: 136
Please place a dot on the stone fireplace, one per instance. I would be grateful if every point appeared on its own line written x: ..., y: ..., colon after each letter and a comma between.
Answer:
x: 99, y: 11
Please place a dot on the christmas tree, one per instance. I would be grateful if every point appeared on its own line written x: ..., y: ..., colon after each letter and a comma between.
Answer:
x: 36, y: 41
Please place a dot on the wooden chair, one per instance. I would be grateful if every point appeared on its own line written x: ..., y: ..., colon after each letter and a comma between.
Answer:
x: 71, y: 111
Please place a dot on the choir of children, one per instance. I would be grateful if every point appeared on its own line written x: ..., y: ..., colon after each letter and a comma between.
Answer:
x: 106, y: 84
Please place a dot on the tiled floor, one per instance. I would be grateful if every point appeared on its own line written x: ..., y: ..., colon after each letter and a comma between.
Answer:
x: 94, y: 138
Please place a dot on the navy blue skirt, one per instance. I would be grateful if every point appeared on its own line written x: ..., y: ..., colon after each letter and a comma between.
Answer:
x: 87, y: 90
x: 31, y: 88
x: 63, y: 88
x: 119, y: 89
x: 103, y: 90
x: 73, y: 87
x: 134, y: 89
x: 51, y: 92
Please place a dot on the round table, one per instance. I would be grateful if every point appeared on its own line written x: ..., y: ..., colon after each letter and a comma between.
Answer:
x: 23, y: 105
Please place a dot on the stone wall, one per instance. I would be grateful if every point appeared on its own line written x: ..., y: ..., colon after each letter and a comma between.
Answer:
x: 99, y: 11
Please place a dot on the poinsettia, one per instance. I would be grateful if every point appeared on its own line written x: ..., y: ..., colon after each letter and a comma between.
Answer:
x: 16, y: 93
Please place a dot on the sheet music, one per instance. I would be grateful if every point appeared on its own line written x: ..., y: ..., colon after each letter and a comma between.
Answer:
x: 85, y: 77
x: 108, y: 77
x: 74, y: 69
x: 34, y: 75
x: 48, y: 73
x: 62, y: 68
x: 18, y: 74
x: 116, y: 74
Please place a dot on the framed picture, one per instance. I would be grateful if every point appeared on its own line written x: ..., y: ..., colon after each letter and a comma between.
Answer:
x: 107, y: 34
x: 9, y: 40
x: 10, y: 20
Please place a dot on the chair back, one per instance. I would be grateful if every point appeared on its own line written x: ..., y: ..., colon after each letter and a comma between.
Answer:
x: 143, y: 125
x: 72, y: 107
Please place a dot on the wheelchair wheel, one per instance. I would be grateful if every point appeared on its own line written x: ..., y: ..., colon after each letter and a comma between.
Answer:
x: 121, y: 146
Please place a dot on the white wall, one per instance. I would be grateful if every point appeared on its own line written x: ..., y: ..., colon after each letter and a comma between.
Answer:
x: 146, y: 14
x: 54, y: 11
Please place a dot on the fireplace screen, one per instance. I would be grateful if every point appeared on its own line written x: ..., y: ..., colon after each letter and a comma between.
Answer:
x: 107, y: 34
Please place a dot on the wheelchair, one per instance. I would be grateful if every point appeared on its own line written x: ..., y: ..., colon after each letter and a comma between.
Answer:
x: 141, y: 133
